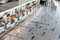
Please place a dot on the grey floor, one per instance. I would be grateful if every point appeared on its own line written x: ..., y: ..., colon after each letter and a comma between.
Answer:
x: 43, y: 25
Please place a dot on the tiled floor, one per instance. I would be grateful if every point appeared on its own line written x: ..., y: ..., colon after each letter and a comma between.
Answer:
x: 48, y: 27
x: 44, y: 25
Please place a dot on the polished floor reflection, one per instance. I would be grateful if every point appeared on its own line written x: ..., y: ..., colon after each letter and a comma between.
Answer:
x: 43, y: 25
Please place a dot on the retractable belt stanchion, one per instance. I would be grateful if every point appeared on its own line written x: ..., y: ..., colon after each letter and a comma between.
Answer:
x: 28, y: 7
x: 16, y: 17
x: 11, y: 18
x: 2, y: 26
x: 38, y: 4
x: 8, y: 24
x: 34, y: 5
x: 6, y: 19
x: 21, y: 13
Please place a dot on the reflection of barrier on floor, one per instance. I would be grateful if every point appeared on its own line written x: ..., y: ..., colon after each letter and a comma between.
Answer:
x: 36, y: 23
x: 14, y: 36
x: 11, y: 37
x: 30, y: 27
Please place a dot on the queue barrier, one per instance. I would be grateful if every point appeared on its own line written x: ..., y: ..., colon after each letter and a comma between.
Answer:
x: 21, y: 14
